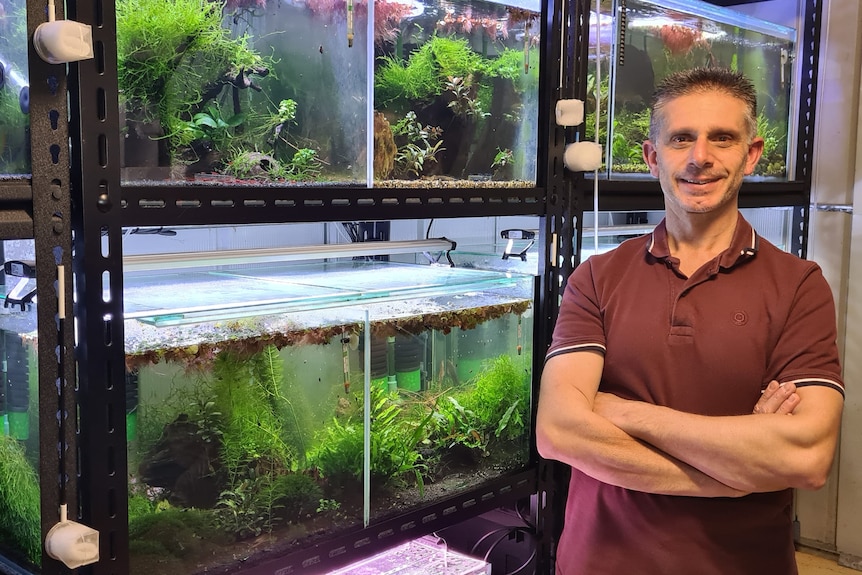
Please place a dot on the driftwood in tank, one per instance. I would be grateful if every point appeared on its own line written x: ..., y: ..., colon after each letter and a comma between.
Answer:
x: 185, y: 464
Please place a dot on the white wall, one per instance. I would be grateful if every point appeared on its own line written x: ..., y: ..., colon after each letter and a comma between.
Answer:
x: 832, y: 518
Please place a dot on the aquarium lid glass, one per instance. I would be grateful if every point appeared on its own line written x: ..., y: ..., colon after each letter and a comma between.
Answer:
x: 179, y: 297
x: 704, y: 10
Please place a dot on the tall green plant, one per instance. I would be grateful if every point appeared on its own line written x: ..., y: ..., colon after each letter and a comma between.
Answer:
x: 20, y: 519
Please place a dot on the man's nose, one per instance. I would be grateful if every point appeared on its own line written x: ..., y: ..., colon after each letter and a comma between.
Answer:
x: 701, y: 152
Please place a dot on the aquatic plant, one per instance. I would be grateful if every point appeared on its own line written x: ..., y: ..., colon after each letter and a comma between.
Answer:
x: 297, y: 495
x: 254, y: 435
x: 249, y: 508
x: 20, y: 515
x: 424, y: 75
x: 395, y: 440
x: 773, y: 161
x: 463, y: 102
x: 174, y: 57
x: 211, y: 125
x: 493, y: 405
x: 417, y: 145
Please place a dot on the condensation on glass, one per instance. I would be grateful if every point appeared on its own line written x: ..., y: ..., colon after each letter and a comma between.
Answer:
x: 404, y: 93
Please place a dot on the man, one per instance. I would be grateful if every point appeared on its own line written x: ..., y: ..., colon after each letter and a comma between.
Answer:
x: 693, y: 379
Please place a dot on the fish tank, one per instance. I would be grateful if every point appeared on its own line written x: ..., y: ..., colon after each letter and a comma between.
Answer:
x: 14, y: 90
x: 20, y: 498
x: 383, y: 93
x: 635, y: 44
x: 292, y: 394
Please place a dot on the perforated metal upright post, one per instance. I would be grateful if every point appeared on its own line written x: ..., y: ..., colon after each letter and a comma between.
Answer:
x: 53, y: 246
x: 98, y: 268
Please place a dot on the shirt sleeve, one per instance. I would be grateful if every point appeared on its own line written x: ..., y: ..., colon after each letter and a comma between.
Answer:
x: 807, y: 350
x: 580, y: 325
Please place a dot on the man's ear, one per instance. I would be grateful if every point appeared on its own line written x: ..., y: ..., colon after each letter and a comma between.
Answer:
x: 649, y: 154
x: 755, y: 151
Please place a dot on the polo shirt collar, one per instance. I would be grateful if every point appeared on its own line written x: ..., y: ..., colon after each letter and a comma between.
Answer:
x: 743, y: 246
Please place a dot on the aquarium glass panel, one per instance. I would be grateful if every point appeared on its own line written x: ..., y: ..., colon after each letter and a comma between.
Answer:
x: 14, y: 90
x: 20, y: 515
x: 329, y: 92
x: 253, y: 396
x: 773, y: 224
x: 642, y: 41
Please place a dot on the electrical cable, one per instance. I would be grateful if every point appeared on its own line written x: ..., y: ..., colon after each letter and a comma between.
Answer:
x: 428, y: 229
x: 486, y: 535
x: 525, y: 564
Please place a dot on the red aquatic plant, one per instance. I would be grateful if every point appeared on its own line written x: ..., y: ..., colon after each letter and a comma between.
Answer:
x: 679, y: 39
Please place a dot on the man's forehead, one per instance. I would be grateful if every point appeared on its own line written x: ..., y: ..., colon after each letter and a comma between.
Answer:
x: 704, y: 112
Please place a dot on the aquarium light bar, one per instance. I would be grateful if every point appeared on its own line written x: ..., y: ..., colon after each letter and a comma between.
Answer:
x: 163, y: 261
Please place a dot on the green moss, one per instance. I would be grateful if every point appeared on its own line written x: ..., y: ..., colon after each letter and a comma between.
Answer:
x: 20, y: 518
x: 170, y: 53
x: 174, y: 532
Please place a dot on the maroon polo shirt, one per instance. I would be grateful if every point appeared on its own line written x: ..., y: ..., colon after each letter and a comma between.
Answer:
x: 707, y: 344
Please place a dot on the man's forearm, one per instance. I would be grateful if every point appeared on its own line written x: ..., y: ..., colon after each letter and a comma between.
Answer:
x: 750, y: 452
x: 604, y: 452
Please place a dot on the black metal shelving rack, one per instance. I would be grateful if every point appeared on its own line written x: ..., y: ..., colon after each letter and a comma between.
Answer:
x: 74, y: 207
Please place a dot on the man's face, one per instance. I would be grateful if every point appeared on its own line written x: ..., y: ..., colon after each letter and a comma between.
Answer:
x: 702, y: 152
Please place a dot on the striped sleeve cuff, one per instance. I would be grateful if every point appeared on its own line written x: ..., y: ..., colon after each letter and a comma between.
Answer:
x: 577, y: 347
x: 821, y: 381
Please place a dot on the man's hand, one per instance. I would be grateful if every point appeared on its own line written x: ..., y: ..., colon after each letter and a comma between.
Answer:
x: 777, y: 398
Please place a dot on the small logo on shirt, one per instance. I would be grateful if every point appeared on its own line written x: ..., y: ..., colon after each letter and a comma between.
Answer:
x: 740, y: 318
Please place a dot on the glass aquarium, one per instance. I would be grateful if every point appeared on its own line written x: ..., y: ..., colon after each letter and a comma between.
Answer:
x: 640, y: 42
x: 14, y: 90
x: 329, y: 92
x: 277, y: 402
x: 20, y: 515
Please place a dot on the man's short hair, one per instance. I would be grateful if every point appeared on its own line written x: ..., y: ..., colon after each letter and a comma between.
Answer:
x: 698, y: 80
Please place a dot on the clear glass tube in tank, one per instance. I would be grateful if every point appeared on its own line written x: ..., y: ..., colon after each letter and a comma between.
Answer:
x: 329, y: 92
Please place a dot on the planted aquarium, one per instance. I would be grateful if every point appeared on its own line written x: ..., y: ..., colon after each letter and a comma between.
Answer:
x: 329, y: 92
x: 279, y: 402
x: 640, y: 42
x: 14, y: 90
x: 20, y: 508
